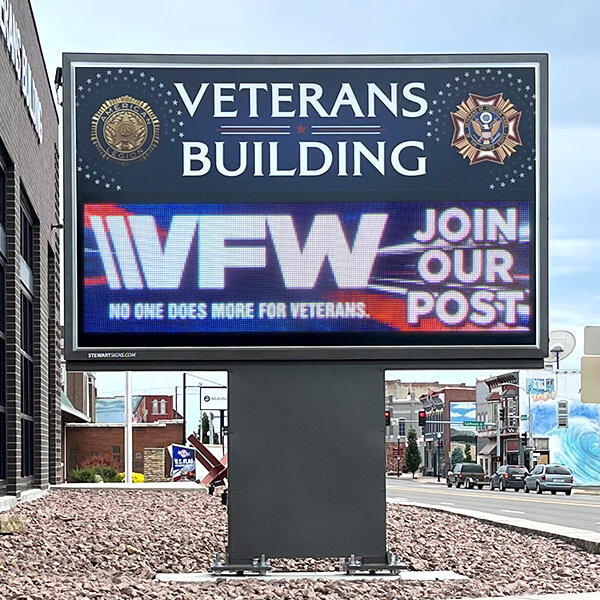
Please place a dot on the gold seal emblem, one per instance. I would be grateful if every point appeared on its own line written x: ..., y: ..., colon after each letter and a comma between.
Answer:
x: 486, y: 128
x: 125, y: 130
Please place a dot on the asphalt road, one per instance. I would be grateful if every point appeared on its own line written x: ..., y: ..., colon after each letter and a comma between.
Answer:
x: 579, y: 510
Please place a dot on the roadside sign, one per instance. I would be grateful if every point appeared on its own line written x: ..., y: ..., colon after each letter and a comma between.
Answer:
x: 529, y: 448
x: 396, y: 452
x: 473, y: 423
x: 524, y: 417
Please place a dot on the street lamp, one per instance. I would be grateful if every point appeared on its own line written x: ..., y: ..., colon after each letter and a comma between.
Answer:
x: 439, y: 437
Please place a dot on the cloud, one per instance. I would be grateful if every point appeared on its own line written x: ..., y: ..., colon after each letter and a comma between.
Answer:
x: 574, y: 256
x: 574, y: 188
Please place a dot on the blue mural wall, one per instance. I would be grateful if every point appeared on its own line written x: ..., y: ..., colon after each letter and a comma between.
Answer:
x: 578, y: 444
x: 460, y: 435
x: 112, y: 409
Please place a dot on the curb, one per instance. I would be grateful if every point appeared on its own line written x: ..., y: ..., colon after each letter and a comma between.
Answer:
x: 587, y: 540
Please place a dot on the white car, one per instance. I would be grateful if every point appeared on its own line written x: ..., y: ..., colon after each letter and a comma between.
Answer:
x: 552, y: 478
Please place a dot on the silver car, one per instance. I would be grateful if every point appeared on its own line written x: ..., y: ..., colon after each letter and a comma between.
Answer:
x: 553, y: 478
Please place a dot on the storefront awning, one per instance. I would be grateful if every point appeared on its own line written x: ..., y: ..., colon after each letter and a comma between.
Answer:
x: 488, y: 448
x: 69, y: 412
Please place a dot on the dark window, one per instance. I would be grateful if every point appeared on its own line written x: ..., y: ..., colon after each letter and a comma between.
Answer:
x: 116, y: 449
x: 27, y: 239
x: 472, y: 468
x: 517, y: 470
x: 2, y: 444
x: 2, y: 302
x: 26, y: 447
x: 3, y: 374
x: 557, y: 471
x: 2, y: 197
x: 401, y: 427
x: 27, y: 335
x: 27, y: 387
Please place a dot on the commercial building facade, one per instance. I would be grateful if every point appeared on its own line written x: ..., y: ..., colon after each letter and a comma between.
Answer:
x: 30, y: 372
x: 448, y: 410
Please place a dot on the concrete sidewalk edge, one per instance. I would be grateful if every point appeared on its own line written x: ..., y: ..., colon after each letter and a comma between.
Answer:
x: 582, y: 596
x: 587, y: 540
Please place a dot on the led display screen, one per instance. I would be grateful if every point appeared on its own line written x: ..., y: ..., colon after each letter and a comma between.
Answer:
x: 376, y: 267
x: 291, y: 211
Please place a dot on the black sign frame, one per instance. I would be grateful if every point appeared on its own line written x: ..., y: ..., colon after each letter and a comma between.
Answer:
x: 104, y: 353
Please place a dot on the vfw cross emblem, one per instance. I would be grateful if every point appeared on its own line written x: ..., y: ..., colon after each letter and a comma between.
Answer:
x: 486, y: 128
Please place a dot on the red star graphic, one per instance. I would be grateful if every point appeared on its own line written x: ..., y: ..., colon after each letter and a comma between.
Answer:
x: 300, y: 128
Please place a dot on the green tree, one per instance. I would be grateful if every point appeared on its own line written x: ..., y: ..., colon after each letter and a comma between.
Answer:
x: 468, y: 457
x: 206, y: 430
x: 413, y: 454
x: 456, y: 457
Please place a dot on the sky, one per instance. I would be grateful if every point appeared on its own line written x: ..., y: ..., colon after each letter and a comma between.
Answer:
x: 567, y: 31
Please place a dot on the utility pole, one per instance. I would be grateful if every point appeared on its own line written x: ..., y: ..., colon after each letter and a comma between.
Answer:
x: 184, y: 406
x: 498, y: 442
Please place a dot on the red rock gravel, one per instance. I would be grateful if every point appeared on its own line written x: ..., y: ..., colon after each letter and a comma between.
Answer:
x: 76, y: 547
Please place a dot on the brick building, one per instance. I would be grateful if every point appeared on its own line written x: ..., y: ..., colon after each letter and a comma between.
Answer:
x: 30, y: 374
x: 104, y: 439
x: 152, y: 408
x: 446, y: 411
x: 404, y: 400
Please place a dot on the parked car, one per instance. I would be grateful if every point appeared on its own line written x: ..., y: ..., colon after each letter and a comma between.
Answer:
x: 509, y: 477
x: 555, y: 478
x: 469, y: 474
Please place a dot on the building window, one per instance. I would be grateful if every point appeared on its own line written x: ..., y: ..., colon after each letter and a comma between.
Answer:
x: 155, y: 406
x: 402, y: 427
x: 27, y: 239
x: 72, y: 459
x: 2, y: 197
x: 3, y: 376
x: 163, y: 407
x: 27, y: 387
x: 562, y: 408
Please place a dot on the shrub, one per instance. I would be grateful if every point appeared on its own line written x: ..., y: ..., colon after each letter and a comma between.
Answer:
x: 82, y: 475
x: 108, y: 473
x: 89, y: 468
x: 99, y: 461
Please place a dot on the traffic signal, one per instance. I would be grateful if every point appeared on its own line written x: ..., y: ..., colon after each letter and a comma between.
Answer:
x: 388, y: 417
x: 524, y: 438
x: 501, y: 414
x: 422, y: 418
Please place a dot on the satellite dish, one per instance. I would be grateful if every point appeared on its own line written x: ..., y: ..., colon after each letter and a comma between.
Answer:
x: 562, y: 343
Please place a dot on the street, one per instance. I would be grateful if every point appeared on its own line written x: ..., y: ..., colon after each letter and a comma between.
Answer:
x: 581, y: 511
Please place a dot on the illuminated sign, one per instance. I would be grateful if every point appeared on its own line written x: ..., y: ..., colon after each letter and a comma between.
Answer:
x: 306, y: 209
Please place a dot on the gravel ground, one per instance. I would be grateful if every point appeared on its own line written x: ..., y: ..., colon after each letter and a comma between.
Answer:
x: 76, y: 547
